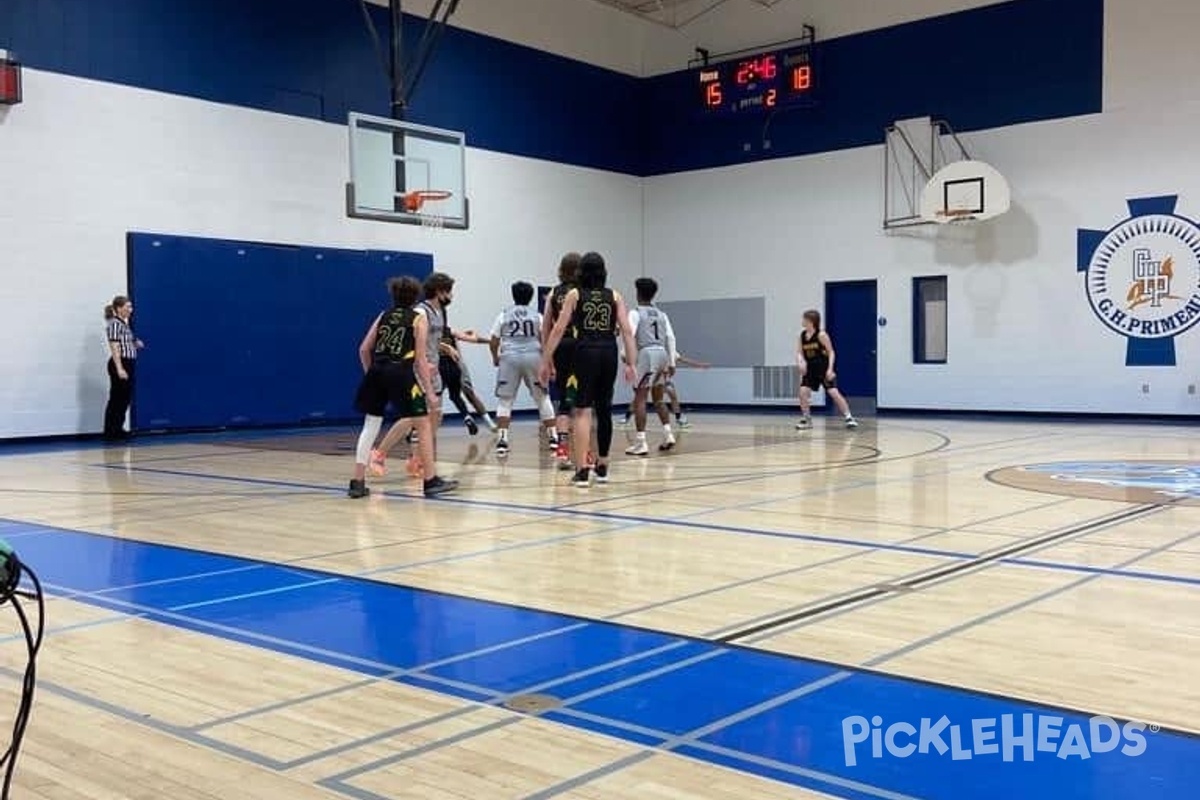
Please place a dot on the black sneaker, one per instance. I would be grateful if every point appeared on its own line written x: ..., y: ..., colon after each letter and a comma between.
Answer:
x: 358, y: 489
x: 472, y: 427
x: 602, y: 473
x: 502, y: 447
x: 437, y: 485
x: 583, y: 478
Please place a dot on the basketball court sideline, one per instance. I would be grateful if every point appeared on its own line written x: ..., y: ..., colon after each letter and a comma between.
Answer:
x: 731, y: 620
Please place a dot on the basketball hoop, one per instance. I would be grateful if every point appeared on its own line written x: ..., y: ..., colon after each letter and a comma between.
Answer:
x: 414, y: 201
x: 953, y: 215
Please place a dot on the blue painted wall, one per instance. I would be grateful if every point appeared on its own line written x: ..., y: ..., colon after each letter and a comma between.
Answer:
x: 1000, y: 65
x: 251, y: 334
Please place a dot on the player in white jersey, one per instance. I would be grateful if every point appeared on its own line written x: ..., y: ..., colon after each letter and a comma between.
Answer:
x: 655, y: 342
x: 517, y: 353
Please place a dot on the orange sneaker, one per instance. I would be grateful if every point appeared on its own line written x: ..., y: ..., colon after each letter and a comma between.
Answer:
x: 414, y: 467
x: 378, y: 463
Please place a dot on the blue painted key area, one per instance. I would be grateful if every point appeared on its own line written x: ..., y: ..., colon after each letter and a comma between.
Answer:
x: 837, y: 730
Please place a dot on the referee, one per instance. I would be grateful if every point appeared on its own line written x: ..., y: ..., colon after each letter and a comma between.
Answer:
x: 122, y: 361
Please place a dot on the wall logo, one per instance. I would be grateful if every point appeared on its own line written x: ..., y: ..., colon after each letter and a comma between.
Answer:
x: 1142, y: 278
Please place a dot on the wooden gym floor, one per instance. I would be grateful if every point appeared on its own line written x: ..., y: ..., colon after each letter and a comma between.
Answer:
x: 761, y: 614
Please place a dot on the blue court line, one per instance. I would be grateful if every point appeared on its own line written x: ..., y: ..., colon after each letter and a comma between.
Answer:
x: 754, y: 710
x: 1116, y: 572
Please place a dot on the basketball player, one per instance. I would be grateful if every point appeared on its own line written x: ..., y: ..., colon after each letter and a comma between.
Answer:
x: 597, y: 315
x: 456, y: 378
x: 667, y: 389
x: 517, y: 353
x: 815, y: 357
x: 655, y: 342
x: 568, y: 278
x: 395, y: 366
x: 438, y: 291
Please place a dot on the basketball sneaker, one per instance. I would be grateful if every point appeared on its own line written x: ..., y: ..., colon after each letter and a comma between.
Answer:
x: 851, y: 422
x: 682, y: 421
x: 601, y: 473
x: 472, y: 427
x: 378, y: 463
x: 639, y: 447
x: 435, y: 486
x: 582, y: 478
x: 562, y: 453
x: 414, y: 467
x: 668, y: 442
x: 502, y: 446
x: 358, y: 489
x: 804, y: 424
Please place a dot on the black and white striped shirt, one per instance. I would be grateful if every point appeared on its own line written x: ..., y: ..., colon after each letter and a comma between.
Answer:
x: 120, y: 332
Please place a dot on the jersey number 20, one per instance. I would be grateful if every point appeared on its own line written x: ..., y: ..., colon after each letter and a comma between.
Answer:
x: 522, y: 328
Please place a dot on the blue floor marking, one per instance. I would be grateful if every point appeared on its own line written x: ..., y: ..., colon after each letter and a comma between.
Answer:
x: 656, y: 693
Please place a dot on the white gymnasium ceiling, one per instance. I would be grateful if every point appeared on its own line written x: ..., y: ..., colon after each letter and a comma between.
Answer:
x: 674, y: 13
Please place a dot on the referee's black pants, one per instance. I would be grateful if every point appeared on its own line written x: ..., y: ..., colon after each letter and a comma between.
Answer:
x: 120, y: 395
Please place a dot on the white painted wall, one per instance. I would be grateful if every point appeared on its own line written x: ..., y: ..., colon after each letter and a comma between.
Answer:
x: 1022, y: 335
x: 83, y: 162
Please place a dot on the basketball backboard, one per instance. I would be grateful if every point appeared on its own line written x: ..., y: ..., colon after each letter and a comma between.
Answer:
x: 390, y: 160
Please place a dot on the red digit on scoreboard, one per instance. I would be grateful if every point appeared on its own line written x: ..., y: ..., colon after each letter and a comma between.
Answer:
x: 771, y: 98
x: 768, y: 68
x: 712, y: 95
x: 801, y: 78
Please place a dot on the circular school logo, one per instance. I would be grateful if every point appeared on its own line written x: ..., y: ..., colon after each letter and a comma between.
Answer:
x: 1142, y: 278
x: 1123, y: 481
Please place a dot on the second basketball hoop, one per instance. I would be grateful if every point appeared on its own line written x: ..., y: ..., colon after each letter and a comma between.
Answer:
x: 965, y: 191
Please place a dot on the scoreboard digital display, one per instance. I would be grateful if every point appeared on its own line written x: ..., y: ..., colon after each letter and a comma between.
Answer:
x: 762, y: 82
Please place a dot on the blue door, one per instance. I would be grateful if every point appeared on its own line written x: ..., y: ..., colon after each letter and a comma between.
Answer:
x: 851, y: 312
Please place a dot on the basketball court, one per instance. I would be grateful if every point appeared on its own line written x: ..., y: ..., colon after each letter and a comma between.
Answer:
x: 926, y: 606
x: 224, y: 622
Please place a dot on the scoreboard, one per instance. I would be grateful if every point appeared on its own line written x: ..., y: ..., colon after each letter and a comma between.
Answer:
x: 762, y: 82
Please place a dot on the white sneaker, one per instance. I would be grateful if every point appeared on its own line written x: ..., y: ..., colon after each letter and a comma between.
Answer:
x: 804, y: 424
x: 638, y: 448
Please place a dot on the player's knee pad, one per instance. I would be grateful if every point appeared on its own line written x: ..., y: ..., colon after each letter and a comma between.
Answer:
x: 545, y: 408
x: 366, y: 439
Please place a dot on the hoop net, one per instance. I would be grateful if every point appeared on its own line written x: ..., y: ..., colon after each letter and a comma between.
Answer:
x: 956, y: 215
x: 431, y: 222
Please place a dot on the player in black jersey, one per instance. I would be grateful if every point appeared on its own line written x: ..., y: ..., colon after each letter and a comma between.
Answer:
x: 396, y: 370
x: 568, y: 279
x: 815, y: 357
x: 596, y: 315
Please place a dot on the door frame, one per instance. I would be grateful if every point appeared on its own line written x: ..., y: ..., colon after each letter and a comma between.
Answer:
x: 865, y: 404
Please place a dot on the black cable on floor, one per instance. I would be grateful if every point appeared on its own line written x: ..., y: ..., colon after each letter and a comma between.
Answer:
x: 11, y: 572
